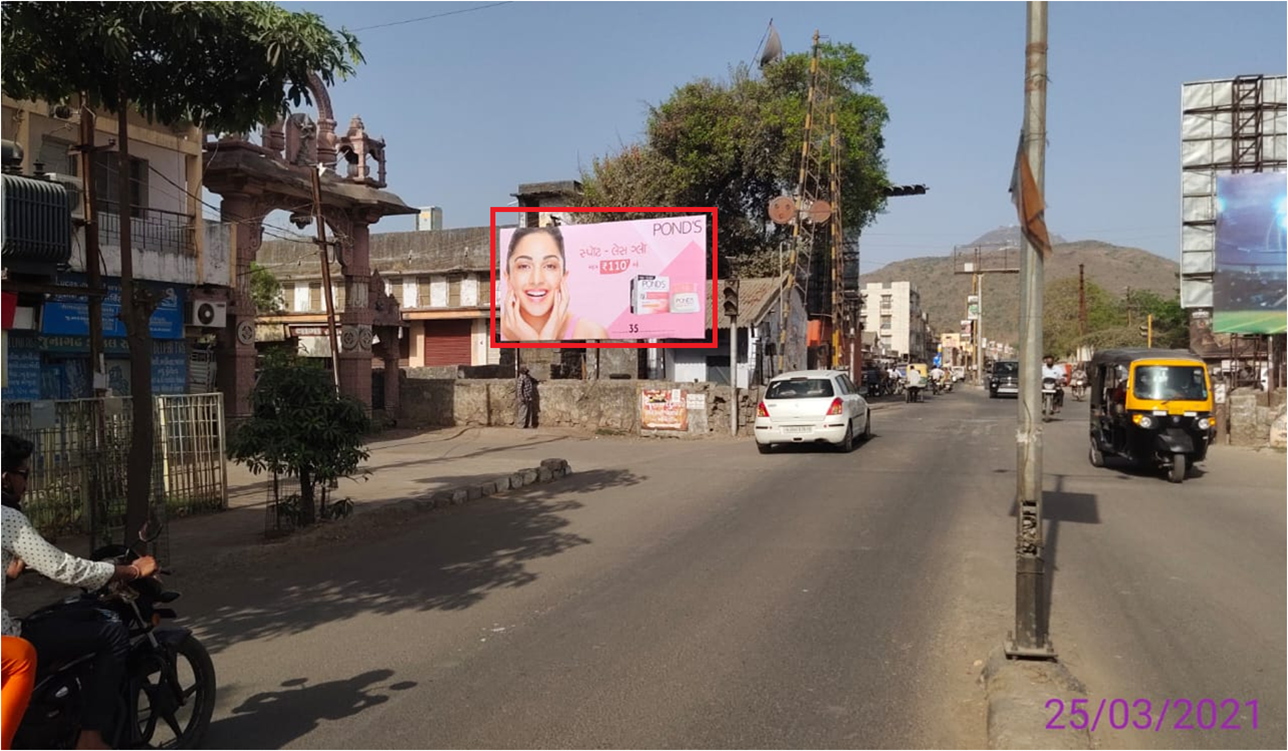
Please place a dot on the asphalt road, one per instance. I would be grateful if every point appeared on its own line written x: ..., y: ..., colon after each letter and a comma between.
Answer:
x: 702, y: 595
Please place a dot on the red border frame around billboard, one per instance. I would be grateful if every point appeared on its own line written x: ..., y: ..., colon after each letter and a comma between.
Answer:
x: 715, y: 281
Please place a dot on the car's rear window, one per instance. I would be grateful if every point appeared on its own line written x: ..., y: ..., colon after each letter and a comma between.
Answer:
x: 800, y: 388
x: 1006, y: 368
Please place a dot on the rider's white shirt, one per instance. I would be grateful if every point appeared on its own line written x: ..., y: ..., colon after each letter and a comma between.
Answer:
x: 1053, y: 371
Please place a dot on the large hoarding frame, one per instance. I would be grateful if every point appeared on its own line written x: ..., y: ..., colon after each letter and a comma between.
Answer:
x: 1228, y: 126
x: 709, y: 286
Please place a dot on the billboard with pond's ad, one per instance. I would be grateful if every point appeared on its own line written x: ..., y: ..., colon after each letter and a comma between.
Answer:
x: 630, y: 280
x: 1250, y: 286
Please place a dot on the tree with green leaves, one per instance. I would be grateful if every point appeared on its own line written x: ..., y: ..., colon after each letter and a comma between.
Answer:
x: 265, y: 291
x: 736, y: 145
x: 1111, y: 322
x: 225, y: 67
x: 301, y: 427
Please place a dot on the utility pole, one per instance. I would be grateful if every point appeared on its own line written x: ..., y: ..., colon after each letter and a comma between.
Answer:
x: 977, y: 272
x: 733, y: 374
x: 1082, y: 303
x: 93, y: 264
x: 326, y: 275
x: 1030, y: 638
x: 1149, y: 332
x: 979, y: 325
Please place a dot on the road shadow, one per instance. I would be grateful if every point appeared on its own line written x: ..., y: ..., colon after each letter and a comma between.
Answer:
x: 1059, y: 507
x: 272, y: 719
x: 1126, y: 469
x: 385, y: 561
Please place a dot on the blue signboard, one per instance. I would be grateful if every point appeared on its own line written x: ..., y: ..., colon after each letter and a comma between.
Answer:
x: 69, y: 314
x: 63, y: 371
x: 22, y: 368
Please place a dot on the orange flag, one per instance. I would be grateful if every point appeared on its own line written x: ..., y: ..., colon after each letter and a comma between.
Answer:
x: 1028, y: 202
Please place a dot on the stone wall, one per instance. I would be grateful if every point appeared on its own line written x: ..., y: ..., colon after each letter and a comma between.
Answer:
x: 1252, y: 415
x: 607, y: 406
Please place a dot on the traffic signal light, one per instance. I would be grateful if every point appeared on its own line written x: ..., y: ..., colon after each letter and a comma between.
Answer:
x: 731, y: 298
x: 906, y: 190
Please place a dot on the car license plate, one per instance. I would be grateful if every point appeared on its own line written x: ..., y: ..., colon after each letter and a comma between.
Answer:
x: 798, y: 429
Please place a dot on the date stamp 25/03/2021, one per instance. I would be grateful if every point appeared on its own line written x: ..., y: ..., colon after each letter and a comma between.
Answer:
x: 1145, y: 714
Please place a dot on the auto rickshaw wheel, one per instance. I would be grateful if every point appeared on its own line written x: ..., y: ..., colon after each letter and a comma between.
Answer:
x: 1097, y: 456
x: 1176, y: 473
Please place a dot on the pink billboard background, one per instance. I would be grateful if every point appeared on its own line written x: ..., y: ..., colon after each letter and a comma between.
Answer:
x: 640, y: 279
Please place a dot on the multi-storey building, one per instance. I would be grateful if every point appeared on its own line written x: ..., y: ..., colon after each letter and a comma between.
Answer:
x: 892, y: 310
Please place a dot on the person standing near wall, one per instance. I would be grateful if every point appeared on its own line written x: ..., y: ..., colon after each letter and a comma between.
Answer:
x: 526, y: 397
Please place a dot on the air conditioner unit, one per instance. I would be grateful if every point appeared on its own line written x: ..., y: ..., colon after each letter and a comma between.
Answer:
x: 209, y: 314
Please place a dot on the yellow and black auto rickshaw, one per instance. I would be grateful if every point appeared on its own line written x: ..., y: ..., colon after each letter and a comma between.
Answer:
x: 1152, y: 407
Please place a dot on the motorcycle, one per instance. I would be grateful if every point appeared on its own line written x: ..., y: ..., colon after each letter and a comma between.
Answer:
x: 1079, y: 387
x: 1048, y: 398
x: 934, y: 387
x: 912, y: 394
x: 151, y: 697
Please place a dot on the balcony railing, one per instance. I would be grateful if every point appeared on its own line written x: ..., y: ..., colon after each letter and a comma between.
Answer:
x: 156, y: 230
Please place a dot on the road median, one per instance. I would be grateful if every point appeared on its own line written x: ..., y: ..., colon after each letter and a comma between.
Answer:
x: 1029, y: 704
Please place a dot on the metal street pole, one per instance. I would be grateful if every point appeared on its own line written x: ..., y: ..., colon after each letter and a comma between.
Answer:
x: 733, y: 374
x: 1030, y: 638
x: 979, y: 330
x: 326, y: 277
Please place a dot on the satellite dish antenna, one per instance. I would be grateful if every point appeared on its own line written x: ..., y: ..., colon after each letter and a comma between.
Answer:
x: 782, y: 210
x: 773, y: 47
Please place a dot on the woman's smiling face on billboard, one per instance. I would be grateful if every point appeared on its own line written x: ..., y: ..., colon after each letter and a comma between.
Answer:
x: 536, y: 271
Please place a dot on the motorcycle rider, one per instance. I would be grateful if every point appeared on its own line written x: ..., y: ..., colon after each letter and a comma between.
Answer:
x: 87, y: 630
x: 1049, y: 370
x: 1079, y: 379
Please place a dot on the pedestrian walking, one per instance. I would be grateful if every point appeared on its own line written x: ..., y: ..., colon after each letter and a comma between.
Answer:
x: 526, y: 393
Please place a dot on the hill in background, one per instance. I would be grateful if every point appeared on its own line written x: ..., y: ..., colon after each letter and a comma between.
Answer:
x: 943, y: 293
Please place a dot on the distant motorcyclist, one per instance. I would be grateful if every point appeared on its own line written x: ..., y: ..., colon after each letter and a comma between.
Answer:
x: 1078, y: 380
x: 1049, y: 370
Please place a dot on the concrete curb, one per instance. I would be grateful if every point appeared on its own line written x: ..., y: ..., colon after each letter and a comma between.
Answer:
x: 549, y: 471
x: 1018, y: 692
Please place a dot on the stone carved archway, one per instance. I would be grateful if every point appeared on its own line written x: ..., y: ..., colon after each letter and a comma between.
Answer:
x: 253, y: 180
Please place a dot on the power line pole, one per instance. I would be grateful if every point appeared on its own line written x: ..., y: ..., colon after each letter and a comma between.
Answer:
x: 1030, y: 638
x: 1082, y: 303
x: 979, y: 323
x: 93, y: 261
x: 326, y: 276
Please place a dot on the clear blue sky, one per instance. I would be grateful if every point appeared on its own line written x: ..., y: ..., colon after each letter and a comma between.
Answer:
x: 475, y: 103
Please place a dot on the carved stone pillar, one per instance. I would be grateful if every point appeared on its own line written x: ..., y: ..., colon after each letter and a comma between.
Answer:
x: 355, y: 323
x: 393, y: 401
x: 236, y: 350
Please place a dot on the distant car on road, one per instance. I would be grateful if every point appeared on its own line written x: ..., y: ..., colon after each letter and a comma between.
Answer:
x: 812, y: 406
x: 1005, y: 379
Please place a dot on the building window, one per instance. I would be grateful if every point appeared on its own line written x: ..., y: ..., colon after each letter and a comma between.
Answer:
x: 396, y: 289
x: 422, y: 292
x: 54, y: 156
x: 887, y: 322
x: 315, y: 297
x: 886, y: 302
x: 107, y: 184
x: 454, y: 283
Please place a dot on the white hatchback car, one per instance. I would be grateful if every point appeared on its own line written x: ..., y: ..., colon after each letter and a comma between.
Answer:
x: 812, y: 406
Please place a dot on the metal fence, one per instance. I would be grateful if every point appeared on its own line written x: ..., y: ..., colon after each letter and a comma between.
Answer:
x: 78, y: 477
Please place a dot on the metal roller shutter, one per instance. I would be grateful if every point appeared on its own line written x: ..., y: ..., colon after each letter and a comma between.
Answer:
x: 448, y: 343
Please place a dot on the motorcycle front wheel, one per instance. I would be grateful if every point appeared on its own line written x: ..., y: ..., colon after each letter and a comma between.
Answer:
x: 163, y: 721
